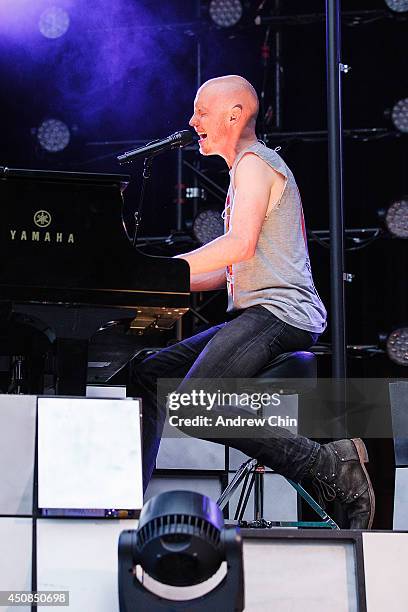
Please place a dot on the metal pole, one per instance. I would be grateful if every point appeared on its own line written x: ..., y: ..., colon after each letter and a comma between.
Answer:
x: 195, y: 299
x: 335, y: 142
x: 179, y: 220
x: 335, y: 150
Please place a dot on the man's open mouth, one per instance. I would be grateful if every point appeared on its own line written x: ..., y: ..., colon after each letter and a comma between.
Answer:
x: 202, y: 136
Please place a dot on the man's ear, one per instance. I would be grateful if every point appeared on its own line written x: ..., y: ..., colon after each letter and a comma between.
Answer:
x: 236, y: 113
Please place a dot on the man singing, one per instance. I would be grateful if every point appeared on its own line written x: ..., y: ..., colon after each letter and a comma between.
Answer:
x: 262, y: 260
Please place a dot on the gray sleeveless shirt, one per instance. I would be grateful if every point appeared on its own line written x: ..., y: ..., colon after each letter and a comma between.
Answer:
x: 278, y: 276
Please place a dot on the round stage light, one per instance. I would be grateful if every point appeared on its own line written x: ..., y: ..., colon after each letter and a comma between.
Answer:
x: 179, y: 538
x: 226, y: 13
x: 208, y: 225
x: 181, y: 541
x: 397, y: 346
x: 399, y: 115
x: 54, y: 22
x: 53, y: 135
x: 396, y: 219
x: 398, y: 6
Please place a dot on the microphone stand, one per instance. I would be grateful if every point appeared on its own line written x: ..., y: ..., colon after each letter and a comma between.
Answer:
x: 147, y: 167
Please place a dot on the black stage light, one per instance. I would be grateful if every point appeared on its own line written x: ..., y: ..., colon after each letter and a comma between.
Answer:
x: 397, y: 346
x: 398, y: 6
x: 226, y: 13
x: 399, y: 115
x: 208, y: 225
x: 181, y: 541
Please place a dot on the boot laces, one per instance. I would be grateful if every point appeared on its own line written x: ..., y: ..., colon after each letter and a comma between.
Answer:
x: 325, y: 492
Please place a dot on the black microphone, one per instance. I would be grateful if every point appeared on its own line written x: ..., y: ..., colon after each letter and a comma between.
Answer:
x: 176, y: 140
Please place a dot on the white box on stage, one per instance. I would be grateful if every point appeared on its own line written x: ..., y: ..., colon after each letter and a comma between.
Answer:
x: 185, y: 453
x: 401, y: 499
x: 16, y: 535
x: 80, y: 557
x: 17, y: 447
x: 113, y: 391
x: 89, y: 453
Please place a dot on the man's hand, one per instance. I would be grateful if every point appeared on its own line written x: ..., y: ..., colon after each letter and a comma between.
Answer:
x: 255, y: 181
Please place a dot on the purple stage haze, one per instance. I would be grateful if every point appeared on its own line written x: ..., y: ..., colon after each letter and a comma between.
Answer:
x: 118, y: 71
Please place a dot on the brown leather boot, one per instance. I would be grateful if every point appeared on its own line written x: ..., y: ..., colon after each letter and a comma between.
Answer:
x: 339, y: 473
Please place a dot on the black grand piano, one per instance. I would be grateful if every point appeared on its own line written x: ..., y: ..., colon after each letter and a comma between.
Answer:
x: 68, y: 271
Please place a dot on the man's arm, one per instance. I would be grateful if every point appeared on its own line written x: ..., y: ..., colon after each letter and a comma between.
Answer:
x: 253, y: 183
x: 208, y: 281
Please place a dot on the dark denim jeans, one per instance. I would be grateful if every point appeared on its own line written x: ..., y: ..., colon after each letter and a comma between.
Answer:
x: 239, y: 348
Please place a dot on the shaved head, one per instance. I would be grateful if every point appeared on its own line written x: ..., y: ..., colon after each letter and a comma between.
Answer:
x: 233, y: 90
x: 225, y: 112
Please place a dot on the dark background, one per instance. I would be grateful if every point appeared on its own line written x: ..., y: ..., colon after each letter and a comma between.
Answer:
x: 128, y: 70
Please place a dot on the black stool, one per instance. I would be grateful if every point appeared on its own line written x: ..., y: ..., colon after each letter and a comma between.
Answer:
x: 300, y: 366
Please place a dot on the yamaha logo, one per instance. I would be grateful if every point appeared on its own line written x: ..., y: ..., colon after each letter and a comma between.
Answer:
x: 42, y: 218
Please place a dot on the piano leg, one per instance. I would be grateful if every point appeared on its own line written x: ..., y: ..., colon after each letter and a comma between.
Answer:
x: 71, y: 366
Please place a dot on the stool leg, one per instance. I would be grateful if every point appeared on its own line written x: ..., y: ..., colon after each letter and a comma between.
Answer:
x: 244, y: 469
x: 313, y: 504
x: 240, y: 515
x: 259, y: 492
x: 241, y: 497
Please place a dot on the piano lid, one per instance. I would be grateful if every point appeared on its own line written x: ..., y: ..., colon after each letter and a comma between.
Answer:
x: 64, y: 177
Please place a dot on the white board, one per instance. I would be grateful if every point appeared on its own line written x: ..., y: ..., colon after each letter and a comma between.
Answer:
x: 89, y: 453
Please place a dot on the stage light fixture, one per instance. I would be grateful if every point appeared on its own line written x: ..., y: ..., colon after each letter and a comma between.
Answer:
x: 208, y: 225
x: 396, y: 219
x: 181, y: 541
x: 399, y: 115
x: 226, y: 13
x: 54, y: 22
x: 398, y: 6
x: 397, y: 346
x: 53, y: 135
